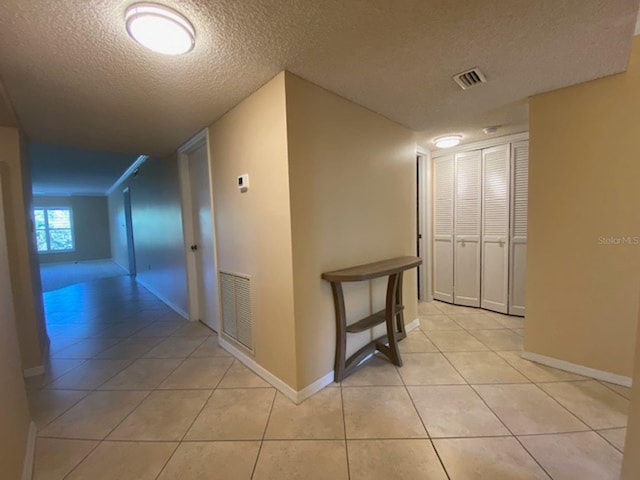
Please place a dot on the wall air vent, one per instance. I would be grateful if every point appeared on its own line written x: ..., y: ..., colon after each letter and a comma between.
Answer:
x: 237, y: 320
x: 470, y: 78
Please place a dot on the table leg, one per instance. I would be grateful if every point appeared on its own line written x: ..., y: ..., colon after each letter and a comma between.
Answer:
x: 390, y: 316
x: 402, y: 333
x: 341, y: 331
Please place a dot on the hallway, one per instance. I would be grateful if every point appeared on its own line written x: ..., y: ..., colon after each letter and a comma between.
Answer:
x: 133, y: 391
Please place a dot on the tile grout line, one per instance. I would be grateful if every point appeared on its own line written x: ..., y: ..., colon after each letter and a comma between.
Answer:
x: 433, y: 446
x: 599, y: 433
x: 65, y: 411
x: 195, y: 418
x: 54, y: 355
x: 89, y: 391
x: 153, y: 389
x: 564, y: 407
x: 537, y: 386
x: 280, y: 440
x: 264, y: 432
x: 503, y: 423
x: 98, y: 442
x: 604, y: 384
x: 344, y: 431
x: 149, y: 392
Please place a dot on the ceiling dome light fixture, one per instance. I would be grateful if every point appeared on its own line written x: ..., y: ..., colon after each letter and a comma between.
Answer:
x: 160, y: 28
x: 447, y: 141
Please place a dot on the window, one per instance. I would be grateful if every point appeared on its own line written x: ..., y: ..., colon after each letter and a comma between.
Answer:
x: 54, y: 229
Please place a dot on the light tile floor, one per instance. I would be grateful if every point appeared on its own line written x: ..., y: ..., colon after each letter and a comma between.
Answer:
x: 133, y: 391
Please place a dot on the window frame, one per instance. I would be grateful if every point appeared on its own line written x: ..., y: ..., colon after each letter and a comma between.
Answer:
x: 46, y: 229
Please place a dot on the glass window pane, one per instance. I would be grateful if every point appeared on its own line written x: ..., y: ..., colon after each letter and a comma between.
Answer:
x: 41, y: 236
x: 38, y: 216
x: 61, y: 239
x: 59, y: 218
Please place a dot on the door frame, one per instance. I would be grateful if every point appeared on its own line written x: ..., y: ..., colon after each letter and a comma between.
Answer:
x: 188, y: 227
x: 425, y: 195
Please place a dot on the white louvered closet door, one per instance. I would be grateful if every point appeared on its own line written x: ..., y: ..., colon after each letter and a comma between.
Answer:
x: 495, y: 228
x: 519, y: 207
x: 443, y: 229
x: 468, y: 169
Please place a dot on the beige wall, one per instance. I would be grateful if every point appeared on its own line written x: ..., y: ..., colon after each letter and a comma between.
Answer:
x: 582, y: 294
x: 14, y: 411
x: 253, y: 229
x: 157, y: 229
x: 353, y: 190
x: 90, y: 227
x: 25, y: 279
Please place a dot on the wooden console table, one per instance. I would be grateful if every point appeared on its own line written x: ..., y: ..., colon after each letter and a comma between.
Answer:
x: 392, y: 315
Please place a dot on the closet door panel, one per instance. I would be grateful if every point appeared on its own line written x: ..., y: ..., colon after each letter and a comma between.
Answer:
x: 468, y: 169
x: 519, y: 209
x: 495, y: 228
x: 443, y: 228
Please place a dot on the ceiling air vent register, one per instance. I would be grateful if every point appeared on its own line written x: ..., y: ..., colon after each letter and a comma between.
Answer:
x: 470, y: 78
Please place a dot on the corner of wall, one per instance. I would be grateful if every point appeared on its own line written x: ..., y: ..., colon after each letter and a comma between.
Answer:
x: 352, y: 201
x: 23, y: 263
x: 253, y: 229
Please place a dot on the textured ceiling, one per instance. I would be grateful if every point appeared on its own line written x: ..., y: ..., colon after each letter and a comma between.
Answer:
x: 59, y: 170
x: 76, y: 78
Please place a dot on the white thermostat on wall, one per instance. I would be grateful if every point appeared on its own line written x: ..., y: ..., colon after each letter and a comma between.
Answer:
x: 243, y: 182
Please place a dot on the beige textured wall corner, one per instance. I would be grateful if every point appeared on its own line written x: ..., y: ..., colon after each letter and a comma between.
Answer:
x: 582, y: 279
x: 25, y: 277
x: 353, y: 190
x: 253, y: 229
x: 14, y: 410
x: 631, y: 463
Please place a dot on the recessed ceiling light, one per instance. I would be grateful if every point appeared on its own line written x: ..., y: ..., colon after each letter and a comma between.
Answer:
x: 448, y: 141
x: 160, y: 28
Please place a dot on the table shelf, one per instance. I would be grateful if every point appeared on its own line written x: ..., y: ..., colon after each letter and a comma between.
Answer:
x: 371, y: 321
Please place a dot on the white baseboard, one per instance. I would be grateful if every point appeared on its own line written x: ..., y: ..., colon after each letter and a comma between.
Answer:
x: 164, y: 299
x: 578, y: 369
x: 30, y: 453
x: 412, y: 325
x: 296, y: 396
x: 33, y: 371
x: 315, y: 387
x: 250, y: 363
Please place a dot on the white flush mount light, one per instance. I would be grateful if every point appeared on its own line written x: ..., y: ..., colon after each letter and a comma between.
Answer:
x: 447, y: 141
x: 160, y: 28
